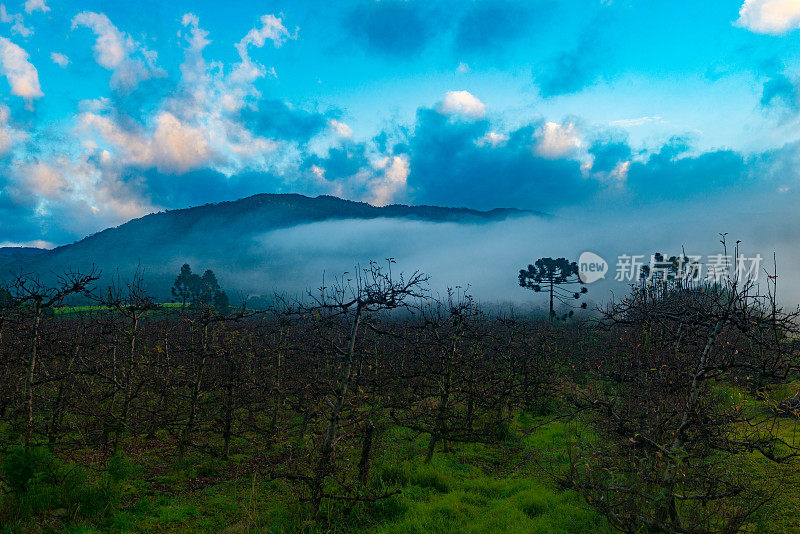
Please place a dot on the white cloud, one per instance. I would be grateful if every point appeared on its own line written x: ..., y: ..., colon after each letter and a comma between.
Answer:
x: 615, y: 178
x: 318, y: 172
x: 21, y: 30
x: 555, y: 140
x: 36, y: 5
x: 272, y: 29
x: 382, y: 180
x: 493, y: 139
x: 340, y: 129
x: 620, y: 171
x: 9, y: 135
x: 59, y: 59
x: 190, y: 19
x: 213, y: 99
x: 208, y: 89
x: 21, y: 74
x: 16, y: 21
x: 117, y: 51
x: 44, y: 180
x: 6, y: 140
x: 638, y: 121
x: 179, y: 146
x: 390, y: 181
x: 111, y: 46
x: 461, y: 103
x: 197, y: 126
x: 198, y: 37
x: 83, y: 193
x: 96, y: 105
x: 318, y: 178
x: 173, y: 146
x: 37, y: 243
x: 770, y: 16
x: 463, y: 68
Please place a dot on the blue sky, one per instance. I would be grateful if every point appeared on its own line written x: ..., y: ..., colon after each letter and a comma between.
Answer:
x: 112, y: 110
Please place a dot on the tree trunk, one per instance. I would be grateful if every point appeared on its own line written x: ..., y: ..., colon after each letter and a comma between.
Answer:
x: 366, y: 451
x: 195, y: 395
x: 444, y: 397
x: 122, y: 421
x: 226, y: 434
x: 58, y: 403
x: 323, y: 464
x: 276, y: 390
x: 30, y: 374
x: 668, y: 510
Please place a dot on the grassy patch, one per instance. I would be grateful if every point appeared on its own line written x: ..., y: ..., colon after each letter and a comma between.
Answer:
x: 470, y: 488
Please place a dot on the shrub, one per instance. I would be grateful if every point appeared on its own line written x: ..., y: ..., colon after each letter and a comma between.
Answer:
x: 119, y: 468
x: 23, y: 466
x: 39, y: 483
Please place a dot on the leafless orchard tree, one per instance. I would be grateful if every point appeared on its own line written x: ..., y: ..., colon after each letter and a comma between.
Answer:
x: 671, y: 433
x: 132, y: 303
x: 35, y: 297
x: 346, y: 306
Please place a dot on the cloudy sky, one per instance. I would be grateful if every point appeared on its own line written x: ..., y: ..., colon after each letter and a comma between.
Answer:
x: 111, y: 110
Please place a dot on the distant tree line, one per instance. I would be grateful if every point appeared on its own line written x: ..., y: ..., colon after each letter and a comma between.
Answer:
x: 199, y: 290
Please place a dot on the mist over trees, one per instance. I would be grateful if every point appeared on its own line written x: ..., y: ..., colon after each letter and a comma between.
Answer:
x: 249, y: 263
x: 669, y: 410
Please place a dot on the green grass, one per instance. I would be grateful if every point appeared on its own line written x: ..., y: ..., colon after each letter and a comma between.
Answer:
x: 491, y: 488
x: 479, y: 502
x: 471, y: 488
x: 782, y: 514
x: 68, y: 310
x: 504, y: 487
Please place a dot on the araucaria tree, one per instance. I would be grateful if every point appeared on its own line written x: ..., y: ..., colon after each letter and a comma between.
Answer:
x: 558, y: 277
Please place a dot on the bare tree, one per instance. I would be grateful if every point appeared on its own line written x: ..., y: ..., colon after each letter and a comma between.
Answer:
x: 132, y: 303
x: 670, y: 430
x: 28, y: 291
x: 349, y: 301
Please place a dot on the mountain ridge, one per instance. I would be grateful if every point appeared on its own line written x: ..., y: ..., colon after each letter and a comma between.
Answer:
x: 437, y: 213
x: 220, y: 232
